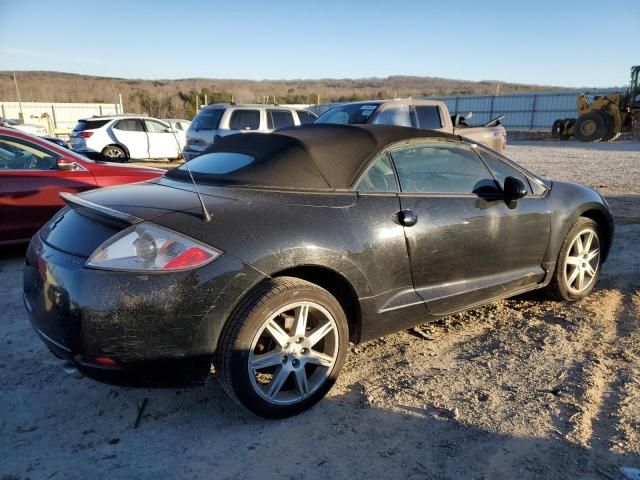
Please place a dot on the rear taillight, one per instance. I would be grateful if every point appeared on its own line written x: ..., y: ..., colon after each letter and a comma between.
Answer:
x: 150, y: 248
x: 85, y: 134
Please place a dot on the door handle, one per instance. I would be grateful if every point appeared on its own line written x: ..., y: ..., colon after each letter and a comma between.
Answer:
x: 407, y: 218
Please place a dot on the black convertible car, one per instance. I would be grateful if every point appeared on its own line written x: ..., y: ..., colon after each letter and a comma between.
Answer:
x: 272, y: 251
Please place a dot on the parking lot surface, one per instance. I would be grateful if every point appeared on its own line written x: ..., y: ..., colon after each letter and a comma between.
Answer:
x: 522, y: 388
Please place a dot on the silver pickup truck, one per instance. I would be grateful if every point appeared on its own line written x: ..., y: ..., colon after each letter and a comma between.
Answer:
x: 426, y: 114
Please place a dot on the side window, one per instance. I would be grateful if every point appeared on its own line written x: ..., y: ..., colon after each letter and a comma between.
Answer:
x: 245, y: 120
x: 178, y: 127
x: 16, y: 155
x: 155, y: 127
x: 129, y: 125
x: 500, y: 169
x: 306, y: 117
x: 378, y: 177
x: 279, y: 119
x: 428, y: 117
x: 395, y: 115
x: 442, y: 169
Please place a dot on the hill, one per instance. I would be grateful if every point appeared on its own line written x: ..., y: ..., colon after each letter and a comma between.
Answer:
x: 177, y: 98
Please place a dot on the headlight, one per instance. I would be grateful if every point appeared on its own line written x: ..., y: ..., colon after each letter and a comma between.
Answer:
x: 149, y: 248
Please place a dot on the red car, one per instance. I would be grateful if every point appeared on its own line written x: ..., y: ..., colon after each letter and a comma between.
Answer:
x: 34, y: 171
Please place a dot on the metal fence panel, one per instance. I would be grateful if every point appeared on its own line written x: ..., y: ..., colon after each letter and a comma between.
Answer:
x: 58, y: 118
x: 522, y: 111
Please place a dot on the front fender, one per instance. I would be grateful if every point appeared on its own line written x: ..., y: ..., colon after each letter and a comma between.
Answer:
x: 567, y: 202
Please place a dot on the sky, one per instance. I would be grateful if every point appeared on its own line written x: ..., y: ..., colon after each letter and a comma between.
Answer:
x: 563, y: 43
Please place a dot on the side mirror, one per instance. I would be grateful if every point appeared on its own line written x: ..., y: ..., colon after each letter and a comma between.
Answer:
x: 66, y: 164
x: 514, y: 188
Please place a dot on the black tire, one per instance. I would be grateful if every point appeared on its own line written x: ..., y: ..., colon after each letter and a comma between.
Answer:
x: 591, y: 127
x: 114, y: 153
x: 557, y: 129
x: 559, y: 287
x: 235, y: 347
x: 568, y: 128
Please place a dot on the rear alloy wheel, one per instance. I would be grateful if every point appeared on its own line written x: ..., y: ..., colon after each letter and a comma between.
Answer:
x: 114, y: 153
x: 282, y: 349
x: 579, y: 262
x: 591, y: 127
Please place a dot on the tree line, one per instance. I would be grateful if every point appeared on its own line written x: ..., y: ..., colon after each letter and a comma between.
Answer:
x: 179, y: 98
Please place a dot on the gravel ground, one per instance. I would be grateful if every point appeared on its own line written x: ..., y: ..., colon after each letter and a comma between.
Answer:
x: 522, y: 388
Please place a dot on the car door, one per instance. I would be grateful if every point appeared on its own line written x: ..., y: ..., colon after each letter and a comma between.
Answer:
x: 466, y: 243
x: 383, y: 256
x: 30, y: 183
x: 130, y: 133
x: 163, y: 142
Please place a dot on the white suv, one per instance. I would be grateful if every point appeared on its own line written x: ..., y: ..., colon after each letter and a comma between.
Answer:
x: 123, y: 137
x: 218, y: 120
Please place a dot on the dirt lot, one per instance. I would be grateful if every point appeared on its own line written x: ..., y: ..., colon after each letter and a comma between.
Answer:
x: 528, y: 388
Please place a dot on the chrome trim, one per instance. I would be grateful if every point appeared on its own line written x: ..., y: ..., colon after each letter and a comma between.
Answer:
x: 49, y: 339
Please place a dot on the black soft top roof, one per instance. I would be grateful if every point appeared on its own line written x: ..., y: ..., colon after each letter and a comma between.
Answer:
x: 315, y: 156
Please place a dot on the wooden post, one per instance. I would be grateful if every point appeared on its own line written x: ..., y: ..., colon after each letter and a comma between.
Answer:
x: 18, y: 94
x: 53, y: 116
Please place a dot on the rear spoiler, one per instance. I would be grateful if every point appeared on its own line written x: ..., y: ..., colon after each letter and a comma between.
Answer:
x: 82, y: 205
x: 495, y: 122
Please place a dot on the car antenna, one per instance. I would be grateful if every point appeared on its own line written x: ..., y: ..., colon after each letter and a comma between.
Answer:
x: 206, y: 216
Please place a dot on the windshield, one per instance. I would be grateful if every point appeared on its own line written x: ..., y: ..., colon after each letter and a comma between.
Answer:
x: 350, y: 114
x: 208, y: 119
x: 83, y: 125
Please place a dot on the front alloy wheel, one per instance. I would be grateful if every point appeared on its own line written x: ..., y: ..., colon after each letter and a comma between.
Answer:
x: 283, y: 347
x: 582, y: 261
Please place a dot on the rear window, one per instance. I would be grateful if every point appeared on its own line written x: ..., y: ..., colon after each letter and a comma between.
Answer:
x: 306, y: 117
x: 89, y: 125
x: 244, y: 120
x: 428, y: 117
x: 348, y: 114
x: 208, y: 119
x: 279, y: 119
x: 219, y: 163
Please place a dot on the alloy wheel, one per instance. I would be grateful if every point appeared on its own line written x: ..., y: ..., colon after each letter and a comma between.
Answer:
x: 113, y: 153
x: 582, y: 261
x: 293, y: 353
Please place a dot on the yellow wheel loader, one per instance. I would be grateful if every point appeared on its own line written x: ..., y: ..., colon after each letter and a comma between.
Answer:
x: 603, y: 118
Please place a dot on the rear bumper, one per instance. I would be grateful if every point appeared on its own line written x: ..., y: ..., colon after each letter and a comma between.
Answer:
x: 81, y: 313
